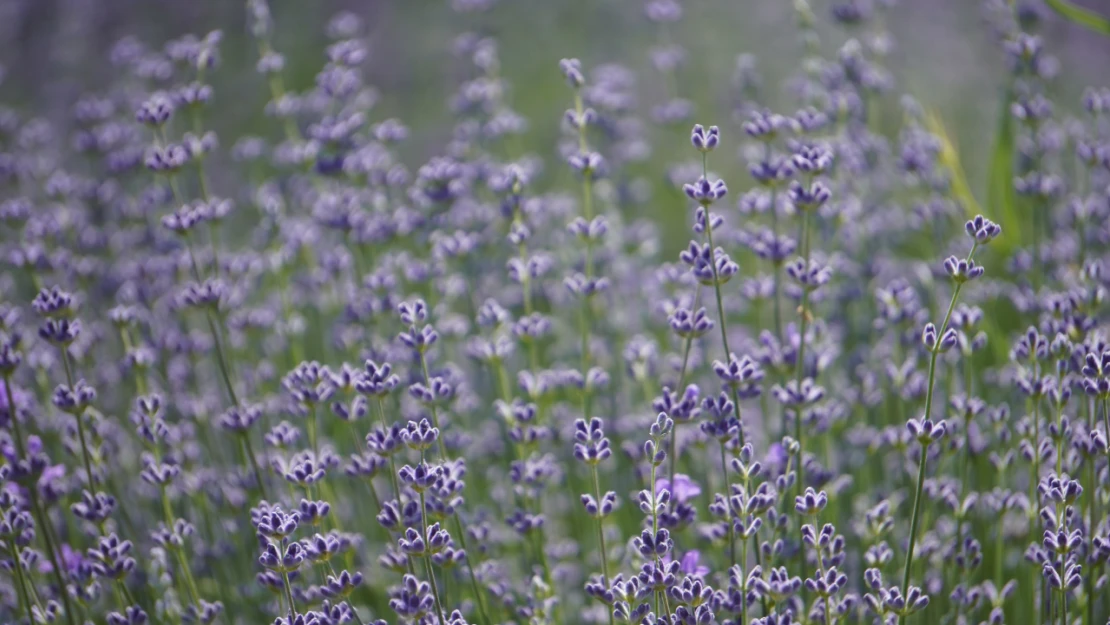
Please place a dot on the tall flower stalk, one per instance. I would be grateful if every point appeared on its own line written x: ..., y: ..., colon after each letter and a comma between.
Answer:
x: 925, y: 430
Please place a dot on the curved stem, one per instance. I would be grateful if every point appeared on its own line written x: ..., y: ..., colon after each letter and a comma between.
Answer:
x: 924, y: 449
x: 470, y: 568
x: 720, y: 301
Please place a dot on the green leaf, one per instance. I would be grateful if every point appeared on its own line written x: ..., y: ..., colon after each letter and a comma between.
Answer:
x: 949, y: 158
x: 1001, y: 197
x: 1078, y: 15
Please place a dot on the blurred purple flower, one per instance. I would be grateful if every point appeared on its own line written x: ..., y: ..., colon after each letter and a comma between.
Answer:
x: 690, y: 563
x: 684, y: 488
x: 71, y: 560
x: 776, y: 455
x: 52, y: 481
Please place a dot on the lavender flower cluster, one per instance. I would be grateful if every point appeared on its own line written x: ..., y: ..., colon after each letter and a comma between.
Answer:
x: 294, y: 379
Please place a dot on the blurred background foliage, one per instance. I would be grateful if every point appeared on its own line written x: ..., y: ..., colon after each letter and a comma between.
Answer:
x: 943, y: 54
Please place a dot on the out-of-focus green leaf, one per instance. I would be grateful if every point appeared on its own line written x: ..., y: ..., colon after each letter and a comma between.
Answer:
x: 1001, y: 204
x: 1081, y: 16
x: 1001, y: 197
x: 949, y: 158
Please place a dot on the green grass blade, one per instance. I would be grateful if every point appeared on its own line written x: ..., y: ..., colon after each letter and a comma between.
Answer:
x: 1081, y: 16
x: 1002, y: 205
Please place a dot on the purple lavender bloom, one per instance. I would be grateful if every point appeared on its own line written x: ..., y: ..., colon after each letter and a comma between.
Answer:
x: 691, y: 564
x: 684, y: 488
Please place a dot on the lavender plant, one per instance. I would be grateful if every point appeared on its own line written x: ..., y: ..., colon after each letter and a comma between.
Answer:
x: 327, y: 374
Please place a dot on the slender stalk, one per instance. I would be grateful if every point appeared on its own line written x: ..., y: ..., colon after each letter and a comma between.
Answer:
x: 190, y: 583
x: 799, y: 373
x: 288, y: 588
x: 743, y: 576
x: 1059, y: 437
x: 655, y: 527
x: 829, y: 620
x: 470, y: 568
x: 254, y: 465
x: 681, y: 385
x: 392, y: 464
x: 601, y: 536
x: 47, y: 534
x: 80, y: 422
x: 600, y: 529
x: 999, y: 543
x: 211, y: 317
x: 428, y: 562
x: 776, y: 276
x: 373, y: 494
x: 925, y: 450
x: 588, y: 215
x: 13, y: 417
x: 799, y: 365
x: 312, y: 441
x: 720, y: 300
x: 1035, y: 478
x: 728, y: 508
x: 1090, y: 503
x: 21, y: 584
x: 526, y: 289
x: 1106, y: 415
x: 36, y: 510
x: 431, y: 406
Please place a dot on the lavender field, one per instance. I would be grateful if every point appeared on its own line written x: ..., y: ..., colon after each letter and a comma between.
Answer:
x: 484, y: 312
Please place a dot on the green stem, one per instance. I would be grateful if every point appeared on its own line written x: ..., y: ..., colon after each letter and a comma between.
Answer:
x: 821, y: 569
x: 799, y: 373
x: 47, y: 535
x: 913, y: 524
x: 13, y: 417
x: 588, y: 215
x: 720, y: 300
x: 601, y: 535
x: 924, y: 449
x: 312, y: 428
x: 728, y: 508
x: 432, y: 407
x: 799, y: 365
x: 288, y: 589
x: 470, y: 568
x: 680, y: 389
x: 21, y: 584
x: 80, y: 421
x: 428, y: 561
x: 392, y: 466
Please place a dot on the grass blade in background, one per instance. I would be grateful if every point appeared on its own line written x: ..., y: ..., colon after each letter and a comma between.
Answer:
x: 1001, y: 197
x: 1078, y: 15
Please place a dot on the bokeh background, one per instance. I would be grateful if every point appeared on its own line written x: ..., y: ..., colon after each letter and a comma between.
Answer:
x: 943, y: 54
